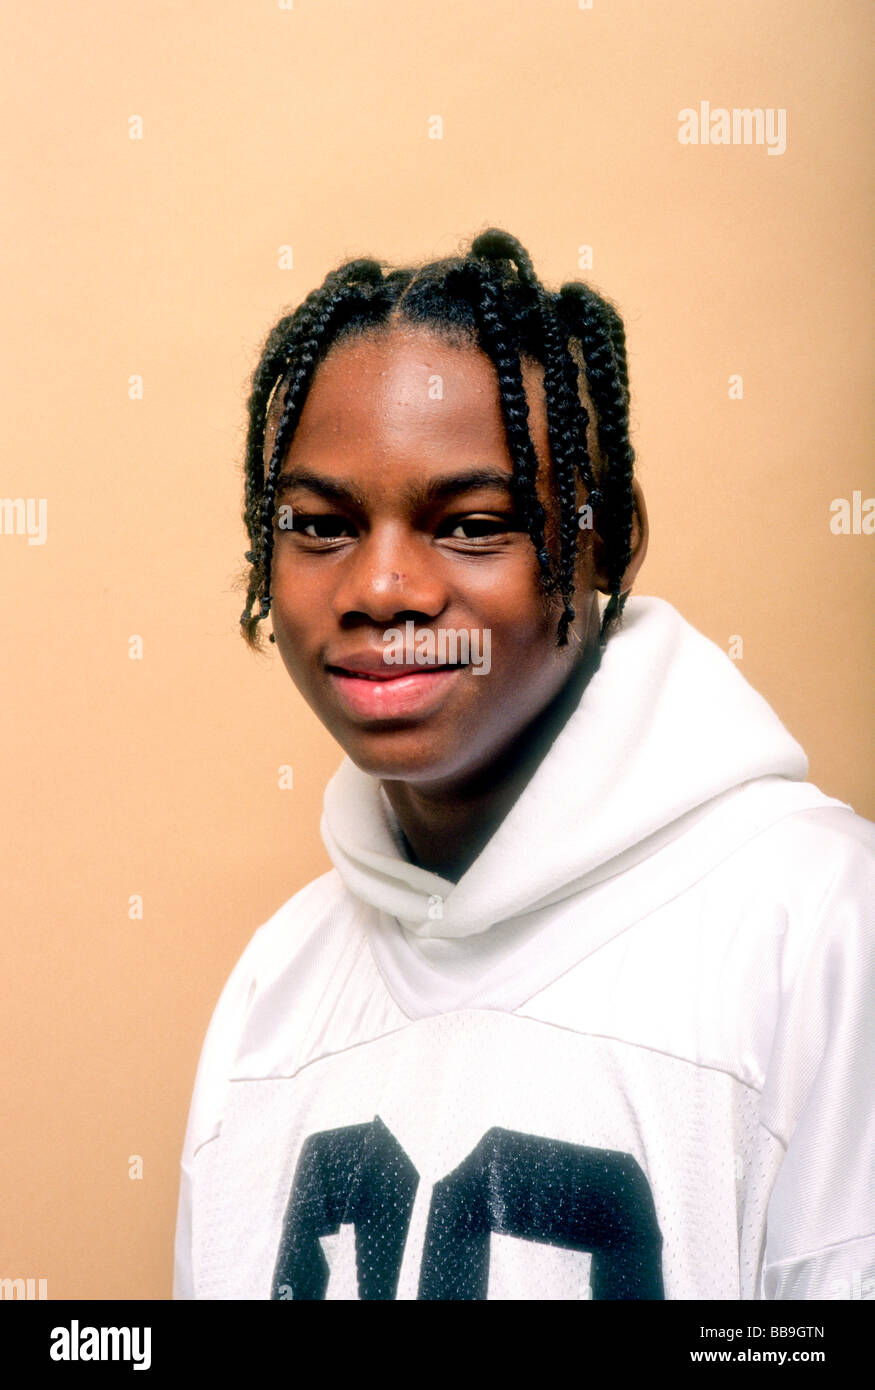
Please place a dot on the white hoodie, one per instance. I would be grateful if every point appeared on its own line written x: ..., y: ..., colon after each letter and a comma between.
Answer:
x: 628, y: 1055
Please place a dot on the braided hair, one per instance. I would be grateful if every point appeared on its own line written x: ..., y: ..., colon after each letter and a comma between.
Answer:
x: 492, y: 297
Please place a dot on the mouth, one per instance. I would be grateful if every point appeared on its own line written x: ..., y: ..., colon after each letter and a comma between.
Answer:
x: 407, y: 690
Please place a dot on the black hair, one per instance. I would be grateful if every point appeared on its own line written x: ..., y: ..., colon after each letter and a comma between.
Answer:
x: 492, y: 297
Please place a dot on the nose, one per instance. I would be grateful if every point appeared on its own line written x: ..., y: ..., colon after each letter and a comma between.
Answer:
x: 389, y: 571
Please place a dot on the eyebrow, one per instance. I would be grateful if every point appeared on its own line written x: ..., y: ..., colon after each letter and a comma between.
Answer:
x: 415, y: 494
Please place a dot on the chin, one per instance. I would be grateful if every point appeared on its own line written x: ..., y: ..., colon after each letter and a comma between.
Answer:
x: 400, y: 766
x: 403, y: 757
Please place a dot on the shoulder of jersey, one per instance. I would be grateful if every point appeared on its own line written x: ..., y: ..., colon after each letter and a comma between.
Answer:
x: 811, y: 863
x: 315, y: 917
x: 820, y: 844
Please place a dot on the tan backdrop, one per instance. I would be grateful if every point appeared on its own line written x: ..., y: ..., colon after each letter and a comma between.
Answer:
x: 151, y: 249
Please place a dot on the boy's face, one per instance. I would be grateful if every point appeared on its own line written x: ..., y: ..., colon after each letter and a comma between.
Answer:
x: 397, y: 479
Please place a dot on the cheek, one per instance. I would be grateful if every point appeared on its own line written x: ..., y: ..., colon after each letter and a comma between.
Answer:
x: 521, y: 646
x: 512, y: 604
x: 300, y: 598
x: 298, y: 622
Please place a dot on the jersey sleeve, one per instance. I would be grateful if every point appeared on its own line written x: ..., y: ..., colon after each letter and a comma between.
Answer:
x: 818, y: 1099
x: 208, y: 1100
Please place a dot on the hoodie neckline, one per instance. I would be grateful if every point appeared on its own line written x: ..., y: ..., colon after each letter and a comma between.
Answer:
x: 665, y: 725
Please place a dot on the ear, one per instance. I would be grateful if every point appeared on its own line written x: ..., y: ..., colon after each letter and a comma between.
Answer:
x: 640, y: 537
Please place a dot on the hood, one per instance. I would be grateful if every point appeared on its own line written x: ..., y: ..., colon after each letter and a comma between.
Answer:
x: 666, y: 725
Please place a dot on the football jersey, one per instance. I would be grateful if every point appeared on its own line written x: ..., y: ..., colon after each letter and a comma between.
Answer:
x: 628, y: 1055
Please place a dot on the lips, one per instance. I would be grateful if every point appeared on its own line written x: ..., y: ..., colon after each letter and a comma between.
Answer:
x: 388, y: 673
x: 392, y: 692
x: 372, y: 662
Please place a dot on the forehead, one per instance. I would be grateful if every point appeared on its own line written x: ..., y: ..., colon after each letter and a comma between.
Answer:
x: 406, y: 379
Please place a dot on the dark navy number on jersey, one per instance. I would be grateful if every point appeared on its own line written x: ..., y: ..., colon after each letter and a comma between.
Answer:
x: 592, y: 1200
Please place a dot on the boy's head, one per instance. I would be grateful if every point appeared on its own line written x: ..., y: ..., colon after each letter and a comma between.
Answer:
x: 425, y: 461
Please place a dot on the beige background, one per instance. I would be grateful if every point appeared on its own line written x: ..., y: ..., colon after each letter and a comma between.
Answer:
x: 262, y: 127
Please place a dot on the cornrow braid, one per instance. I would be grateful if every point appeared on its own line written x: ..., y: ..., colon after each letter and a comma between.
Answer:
x: 618, y: 343
x: 567, y: 421
x: 494, y: 337
x: 599, y: 330
x: 275, y: 359
x: 494, y: 298
x: 500, y: 246
x: 301, y: 339
x: 567, y: 417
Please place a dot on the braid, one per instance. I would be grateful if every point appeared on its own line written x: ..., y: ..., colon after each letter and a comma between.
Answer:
x: 567, y: 420
x: 567, y: 417
x: 618, y: 343
x: 603, y: 344
x: 265, y: 378
x: 269, y: 369
x: 501, y: 247
x: 495, y: 339
x: 300, y: 339
x: 494, y: 298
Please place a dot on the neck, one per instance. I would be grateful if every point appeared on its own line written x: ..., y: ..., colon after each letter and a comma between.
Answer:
x: 446, y: 829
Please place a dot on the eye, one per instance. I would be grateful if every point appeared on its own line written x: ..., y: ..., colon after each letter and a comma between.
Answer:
x: 322, y: 526
x: 479, y: 528
x: 472, y: 527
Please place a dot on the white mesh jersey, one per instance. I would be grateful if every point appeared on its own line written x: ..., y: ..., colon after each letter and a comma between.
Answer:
x: 643, y: 1071
x: 685, y: 1113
